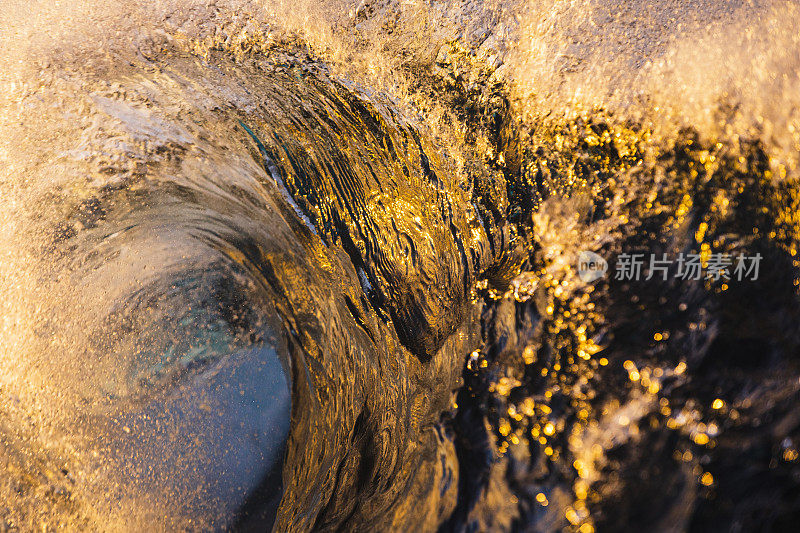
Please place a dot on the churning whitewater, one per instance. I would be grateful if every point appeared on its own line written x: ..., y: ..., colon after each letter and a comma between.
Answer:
x: 414, y: 266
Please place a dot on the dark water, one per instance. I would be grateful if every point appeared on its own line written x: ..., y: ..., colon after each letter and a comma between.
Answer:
x: 247, y: 291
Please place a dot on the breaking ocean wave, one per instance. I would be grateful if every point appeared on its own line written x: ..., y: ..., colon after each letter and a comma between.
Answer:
x: 373, y: 266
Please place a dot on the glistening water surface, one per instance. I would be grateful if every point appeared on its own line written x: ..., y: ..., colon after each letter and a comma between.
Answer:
x: 316, y: 266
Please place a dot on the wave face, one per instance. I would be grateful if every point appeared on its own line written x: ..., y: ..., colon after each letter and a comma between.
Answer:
x: 316, y: 266
x: 290, y: 214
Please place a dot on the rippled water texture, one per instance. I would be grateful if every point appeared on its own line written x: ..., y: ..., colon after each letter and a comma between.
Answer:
x: 315, y: 266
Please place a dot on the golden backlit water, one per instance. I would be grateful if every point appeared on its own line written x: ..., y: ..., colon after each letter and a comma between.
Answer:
x: 314, y: 266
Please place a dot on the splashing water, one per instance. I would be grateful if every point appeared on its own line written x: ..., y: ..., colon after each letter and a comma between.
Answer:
x: 315, y: 265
